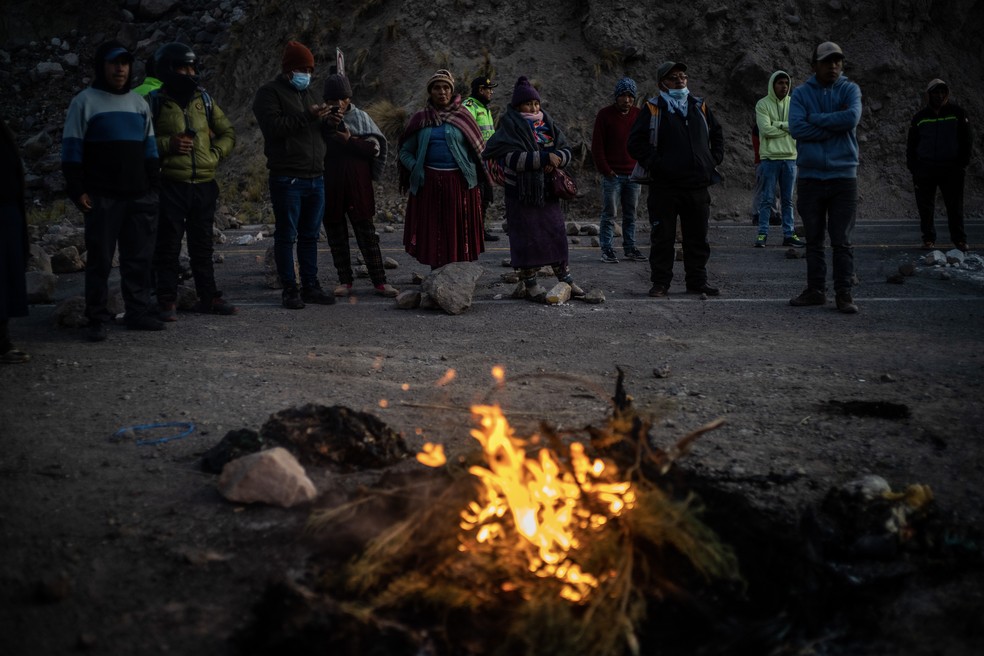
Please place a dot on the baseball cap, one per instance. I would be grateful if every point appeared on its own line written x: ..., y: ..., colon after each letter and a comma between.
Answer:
x: 828, y: 49
x: 936, y: 82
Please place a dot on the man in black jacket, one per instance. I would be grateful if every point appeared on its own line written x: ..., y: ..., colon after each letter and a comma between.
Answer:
x: 937, y: 152
x: 679, y: 142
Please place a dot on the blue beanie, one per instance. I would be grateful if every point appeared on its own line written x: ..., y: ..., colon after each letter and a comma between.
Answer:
x: 523, y: 91
x: 626, y: 85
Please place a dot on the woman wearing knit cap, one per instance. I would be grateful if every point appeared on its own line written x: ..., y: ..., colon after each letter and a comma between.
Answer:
x: 440, y: 163
x: 356, y: 153
x: 526, y: 145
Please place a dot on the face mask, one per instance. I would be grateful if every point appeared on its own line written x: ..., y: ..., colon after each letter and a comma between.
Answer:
x: 300, y: 81
x: 678, y: 94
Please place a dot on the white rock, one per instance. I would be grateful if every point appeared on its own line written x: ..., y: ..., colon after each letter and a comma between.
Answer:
x: 273, y: 477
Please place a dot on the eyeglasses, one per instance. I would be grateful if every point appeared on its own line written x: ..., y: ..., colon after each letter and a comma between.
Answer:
x: 679, y: 77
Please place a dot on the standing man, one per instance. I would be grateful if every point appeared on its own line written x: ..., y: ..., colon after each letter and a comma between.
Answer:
x: 777, y: 166
x: 679, y: 142
x: 477, y: 105
x: 612, y: 160
x: 937, y: 152
x: 109, y: 158
x: 290, y: 116
x: 823, y: 118
x: 355, y: 156
x: 193, y: 135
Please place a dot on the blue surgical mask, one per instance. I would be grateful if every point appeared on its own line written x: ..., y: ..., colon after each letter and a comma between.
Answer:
x: 300, y: 81
x: 678, y: 94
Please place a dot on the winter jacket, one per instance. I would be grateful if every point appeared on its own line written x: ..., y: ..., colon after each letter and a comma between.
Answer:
x: 611, y: 132
x: 772, y: 119
x: 482, y: 115
x: 687, y: 150
x: 212, y: 142
x: 938, y: 140
x: 824, y: 122
x: 292, y: 139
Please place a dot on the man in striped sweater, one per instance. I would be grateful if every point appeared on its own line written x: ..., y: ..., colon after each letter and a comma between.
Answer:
x: 109, y: 158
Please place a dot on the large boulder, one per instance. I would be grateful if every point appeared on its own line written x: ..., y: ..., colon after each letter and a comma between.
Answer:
x: 451, y: 287
x: 273, y: 477
x: 40, y: 287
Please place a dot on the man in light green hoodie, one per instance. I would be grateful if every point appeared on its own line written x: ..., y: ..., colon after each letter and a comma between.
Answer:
x: 777, y: 150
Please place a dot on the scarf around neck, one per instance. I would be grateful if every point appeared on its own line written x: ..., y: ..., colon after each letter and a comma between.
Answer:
x: 515, y: 133
x: 431, y: 117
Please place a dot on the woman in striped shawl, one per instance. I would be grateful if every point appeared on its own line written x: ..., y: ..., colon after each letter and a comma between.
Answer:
x: 526, y: 146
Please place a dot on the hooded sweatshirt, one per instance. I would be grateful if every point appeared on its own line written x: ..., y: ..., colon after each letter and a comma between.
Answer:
x: 824, y: 122
x: 772, y: 118
x: 108, y: 145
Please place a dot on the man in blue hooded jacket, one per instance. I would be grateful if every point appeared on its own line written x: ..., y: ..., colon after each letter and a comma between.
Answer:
x: 823, y: 118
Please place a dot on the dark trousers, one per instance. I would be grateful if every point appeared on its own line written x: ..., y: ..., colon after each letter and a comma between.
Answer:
x: 298, y: 208
x: 368, y: 241
x: 828, y: 207
x: 131, y: 223
x: 693, y: 206
x: 950, y: 182
x: 185, y: 208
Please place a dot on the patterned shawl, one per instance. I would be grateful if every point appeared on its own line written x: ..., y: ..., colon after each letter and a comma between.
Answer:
x: 515, y: 134
x: 429, y: 117
x: 361, y: 125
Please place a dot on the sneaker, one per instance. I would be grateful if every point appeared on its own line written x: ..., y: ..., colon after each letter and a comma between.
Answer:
x: 218, y: 306
x: 490, y: 237
x: 343, y: 289
x: 608, y: 256
x: 145, y: 322
x: 635, y: 254
x: 961, y: 246
x: 314, y: 294
x: 387, y: 290
x: 794, y: 241
x: 760, y: 240
x: 291, y: 298
x: 704, y: 289
x: 809, y: 297
x: 845, y: 303
x: 658, y: 291
x: 14, y: 356
x: 928, y: 245
x: 167, y: 312
x: 96, y: 331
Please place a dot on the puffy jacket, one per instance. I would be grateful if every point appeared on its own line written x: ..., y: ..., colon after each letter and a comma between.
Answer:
x: 772, y: 119
x: 824, y: 122
x: 211, y: 143
x: 292, y: 139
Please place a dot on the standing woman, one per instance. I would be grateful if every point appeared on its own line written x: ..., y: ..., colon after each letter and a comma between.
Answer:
x: 527, y: 145
x: 440, y: 163
x: 13, y: 244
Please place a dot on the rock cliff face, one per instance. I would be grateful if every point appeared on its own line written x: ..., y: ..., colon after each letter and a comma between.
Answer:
x: 573, y: 50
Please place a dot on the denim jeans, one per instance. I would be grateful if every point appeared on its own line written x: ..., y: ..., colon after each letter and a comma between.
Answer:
x: 828, y: 207
x: 298, y: 204
x: 616, y: 190
x: 783, y: 173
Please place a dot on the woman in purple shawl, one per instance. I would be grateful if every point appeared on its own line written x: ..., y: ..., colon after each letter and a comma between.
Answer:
x: 440, y: 164
x: 526, y: 146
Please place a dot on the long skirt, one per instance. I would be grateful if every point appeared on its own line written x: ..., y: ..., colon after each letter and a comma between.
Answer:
x: 537, y: 235
x: 444, y: 220
x: 13, y: 288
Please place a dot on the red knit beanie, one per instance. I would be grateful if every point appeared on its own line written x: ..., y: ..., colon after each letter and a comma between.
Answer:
x: 296, y: 57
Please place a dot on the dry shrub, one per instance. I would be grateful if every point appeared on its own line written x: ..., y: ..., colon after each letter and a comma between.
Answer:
x: 390, y: 118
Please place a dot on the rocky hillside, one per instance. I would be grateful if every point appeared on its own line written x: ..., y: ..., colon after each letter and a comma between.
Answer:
x: 574, y: 50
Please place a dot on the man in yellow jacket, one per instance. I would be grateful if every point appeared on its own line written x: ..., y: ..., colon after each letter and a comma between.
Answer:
x: 777, y: 151
x: 193, y: 136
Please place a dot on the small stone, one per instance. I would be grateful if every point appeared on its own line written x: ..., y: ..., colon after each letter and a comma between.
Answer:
x: 887, y: 378
x: 662, y: 371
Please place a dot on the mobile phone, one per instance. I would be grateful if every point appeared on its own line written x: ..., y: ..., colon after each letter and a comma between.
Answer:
x: 190, y: 132
x: 334, y: 109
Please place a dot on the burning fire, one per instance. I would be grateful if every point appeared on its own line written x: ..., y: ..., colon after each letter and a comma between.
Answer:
x: 551, y: 502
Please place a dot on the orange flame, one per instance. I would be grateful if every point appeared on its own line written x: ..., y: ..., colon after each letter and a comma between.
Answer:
x: 433, y: 455
x: 448, y: 376
x: 549, y: 504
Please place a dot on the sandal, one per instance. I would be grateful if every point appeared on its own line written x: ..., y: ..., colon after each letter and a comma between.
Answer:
x: 14, y: 356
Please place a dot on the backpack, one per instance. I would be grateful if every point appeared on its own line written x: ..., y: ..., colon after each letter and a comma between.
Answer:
x: 639, y: 173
